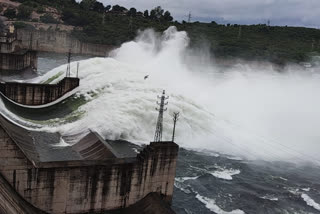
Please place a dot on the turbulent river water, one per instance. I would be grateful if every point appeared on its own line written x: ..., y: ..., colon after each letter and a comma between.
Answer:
x: 249, y: 134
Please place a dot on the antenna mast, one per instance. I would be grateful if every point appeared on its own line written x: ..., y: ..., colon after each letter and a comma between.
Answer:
x: 162, y: 104
x: 175, y: 119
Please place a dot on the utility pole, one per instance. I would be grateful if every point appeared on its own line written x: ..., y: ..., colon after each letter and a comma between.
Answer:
x: 175, y: 119
x: 161, y: 109
x: 78, y: 64
x: 69, y: 61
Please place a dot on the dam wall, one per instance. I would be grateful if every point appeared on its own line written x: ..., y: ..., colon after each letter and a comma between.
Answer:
x: 92, y: 186
x: 37, y: 94
x: 59, y: 42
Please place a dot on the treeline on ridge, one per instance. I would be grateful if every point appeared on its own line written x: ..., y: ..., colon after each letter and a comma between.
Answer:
x: 113, y: 25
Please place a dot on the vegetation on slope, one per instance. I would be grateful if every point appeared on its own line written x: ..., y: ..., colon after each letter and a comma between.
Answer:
x: 113, y: 25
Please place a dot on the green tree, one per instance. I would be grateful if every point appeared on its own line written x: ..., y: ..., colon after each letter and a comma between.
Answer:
x: 159, y: 12
x: 10, y: 13
x: 24, y: 12
x: 156, y: 13
x: 74, y: 17
x: 117, y: 8
x: 87, y: 4
x: 98, y: 7
x: 40, y: 10
x: 146, y: 14
x: 153, y: 14
x: 108, y: 7
x: 167, y: 16
x: 132, y: 12
x: 47, y: 18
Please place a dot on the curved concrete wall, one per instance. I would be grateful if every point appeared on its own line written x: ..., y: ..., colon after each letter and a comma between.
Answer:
x: 38, y: 94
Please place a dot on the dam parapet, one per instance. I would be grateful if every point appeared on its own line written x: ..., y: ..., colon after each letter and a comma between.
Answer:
x: 33, y: 94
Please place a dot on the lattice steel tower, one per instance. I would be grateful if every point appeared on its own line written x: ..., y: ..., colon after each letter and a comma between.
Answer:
x: 162, y: 104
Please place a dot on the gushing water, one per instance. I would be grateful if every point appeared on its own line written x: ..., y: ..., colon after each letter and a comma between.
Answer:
x: 244, y: 110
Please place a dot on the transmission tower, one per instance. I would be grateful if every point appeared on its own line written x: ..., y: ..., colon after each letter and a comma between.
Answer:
x: 189, y: 17
x: 175, y: 119
x: 161, y: 109
x: 69, y: 61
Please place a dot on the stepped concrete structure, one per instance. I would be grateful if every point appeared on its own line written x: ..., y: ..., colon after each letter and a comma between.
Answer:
x: 13, y: 57
x: 38, y: 175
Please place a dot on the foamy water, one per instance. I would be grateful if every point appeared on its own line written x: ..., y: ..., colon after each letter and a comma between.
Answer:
x: 247, y: 110
x: 211, y: 205
x: 310, y: 201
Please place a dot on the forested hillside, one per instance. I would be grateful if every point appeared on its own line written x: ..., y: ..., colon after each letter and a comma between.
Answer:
x: 113, y: 25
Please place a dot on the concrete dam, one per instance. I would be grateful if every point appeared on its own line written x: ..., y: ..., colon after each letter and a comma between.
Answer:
x: 92, y: 175
x: 88, y: 175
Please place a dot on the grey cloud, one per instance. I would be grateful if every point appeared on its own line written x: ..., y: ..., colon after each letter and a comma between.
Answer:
x: 280, y: 12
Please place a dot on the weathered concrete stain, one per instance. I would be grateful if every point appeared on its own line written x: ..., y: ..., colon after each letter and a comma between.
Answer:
x: 59, y: 42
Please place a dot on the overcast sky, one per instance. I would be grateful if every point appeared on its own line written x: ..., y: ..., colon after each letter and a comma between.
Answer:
x: 279, y: 12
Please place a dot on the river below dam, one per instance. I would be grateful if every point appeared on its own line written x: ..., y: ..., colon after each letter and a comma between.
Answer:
x: 248, y: 136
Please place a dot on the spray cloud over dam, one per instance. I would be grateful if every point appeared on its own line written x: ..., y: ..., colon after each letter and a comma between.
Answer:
x: 245, y: 110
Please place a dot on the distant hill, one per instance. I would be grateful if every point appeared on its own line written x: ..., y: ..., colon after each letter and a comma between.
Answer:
x: 91, y: 21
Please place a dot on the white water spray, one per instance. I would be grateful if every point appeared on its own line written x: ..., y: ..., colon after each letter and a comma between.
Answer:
x: 246, y: 110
